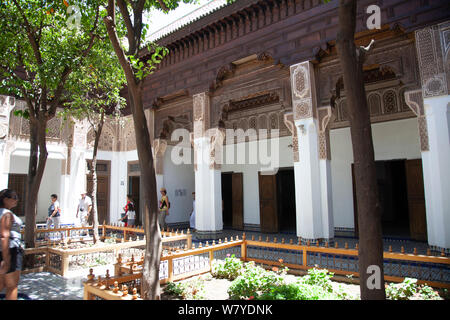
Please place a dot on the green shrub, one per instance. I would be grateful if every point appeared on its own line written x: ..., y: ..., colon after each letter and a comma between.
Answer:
x: 229, y: 269
x: 174, y: 289
x: 189, y: 290
x: 253, y: 282
x: 320, y: 278
x: 409, y: 290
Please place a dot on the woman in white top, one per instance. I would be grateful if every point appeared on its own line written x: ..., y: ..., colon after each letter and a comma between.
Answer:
x: 11, y: 247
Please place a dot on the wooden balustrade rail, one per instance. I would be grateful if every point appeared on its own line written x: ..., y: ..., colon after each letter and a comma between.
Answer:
x: 125, y: 269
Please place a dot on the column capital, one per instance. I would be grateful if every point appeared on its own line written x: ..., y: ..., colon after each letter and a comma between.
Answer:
x: 325, y: 114
x: 303, y: 90
x: 433, y: 45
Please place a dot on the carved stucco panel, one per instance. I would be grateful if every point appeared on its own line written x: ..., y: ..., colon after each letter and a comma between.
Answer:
x: 325, y: 116
x: 159, y: 149
x: 289, y: 122
x: 201, y: 111
x: 302, y: 86
x: 6, y: 105
x: 414, y: 100
x: 432, y: 50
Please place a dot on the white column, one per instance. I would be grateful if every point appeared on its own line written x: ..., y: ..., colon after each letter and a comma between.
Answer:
x: 434, y: 128
x: 325, y: 115
x: 6, y: 105
x: 77, y: 171
x: 208, y: 186
x: 312, y: 176
x: 436, y: 169
x: 159, y: 149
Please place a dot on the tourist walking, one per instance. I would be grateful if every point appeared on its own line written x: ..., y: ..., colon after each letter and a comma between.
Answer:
x: 164, y: 206
x: 84, y: 209
x: 11, y: 247
x: 54, y: 212
x: 192, y: 218
x: 130, y: 212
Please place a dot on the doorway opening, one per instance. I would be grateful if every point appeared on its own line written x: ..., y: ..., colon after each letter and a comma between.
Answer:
x: 134, y: 184
x: 286, y: 200
x: 401, y: 197
x: 393, y: 197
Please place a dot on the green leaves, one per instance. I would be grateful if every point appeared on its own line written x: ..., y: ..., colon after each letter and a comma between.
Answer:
x: 22, y: 113
x: 143, y: 69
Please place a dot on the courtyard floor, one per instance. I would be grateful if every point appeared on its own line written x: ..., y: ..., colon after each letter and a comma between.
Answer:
x: 49, y: 286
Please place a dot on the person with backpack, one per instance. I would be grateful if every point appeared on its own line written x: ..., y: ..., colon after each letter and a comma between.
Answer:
x: 164, y: 206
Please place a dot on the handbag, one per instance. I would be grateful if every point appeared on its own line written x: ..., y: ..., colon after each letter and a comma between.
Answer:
x: 124, y: 217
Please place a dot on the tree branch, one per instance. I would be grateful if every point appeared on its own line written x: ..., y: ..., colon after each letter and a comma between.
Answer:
x: 112, y: 34
x: 130, y: 30
x: 31, y: 35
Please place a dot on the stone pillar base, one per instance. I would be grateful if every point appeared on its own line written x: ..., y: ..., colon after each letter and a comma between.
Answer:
x: 313, y: 242
x: 208, y: 235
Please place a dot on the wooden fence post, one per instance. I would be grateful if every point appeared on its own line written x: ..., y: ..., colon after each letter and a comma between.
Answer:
x: 189, y: 241
x: 211, y: 258
x: 170, y: 268
x: 65, y: 264
x: 244, y: 248
x: 305, y: 260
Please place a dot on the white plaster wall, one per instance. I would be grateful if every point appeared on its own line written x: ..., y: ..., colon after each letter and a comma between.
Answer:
x: 392, y: 140
x: 250, y: 173
x: 51, y: 182
x: 118, y: 183
x: 179, y: 181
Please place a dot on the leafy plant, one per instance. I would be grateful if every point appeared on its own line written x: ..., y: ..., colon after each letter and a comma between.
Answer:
x: 229, y: 269
x: 189, y: 290
x: 319, y: 277
x: 254, y: 282
x: 409, y: 290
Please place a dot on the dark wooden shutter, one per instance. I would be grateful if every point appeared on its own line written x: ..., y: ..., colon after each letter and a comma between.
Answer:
x: 268, y: 203
x: 238, y: 200
x: 18, y: 183
x: 416, y: 200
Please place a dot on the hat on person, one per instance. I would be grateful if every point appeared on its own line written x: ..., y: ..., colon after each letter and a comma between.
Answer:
x: 83, y: 192
x: 163, y: 189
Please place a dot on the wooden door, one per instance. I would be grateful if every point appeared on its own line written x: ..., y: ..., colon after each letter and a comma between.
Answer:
x: 102, y: 197
x: 268, y: 203
x: 238, y: 200
x: 355, y: 203
x: 18, y: 183
x: 134, y: 189
x: 416, y: 200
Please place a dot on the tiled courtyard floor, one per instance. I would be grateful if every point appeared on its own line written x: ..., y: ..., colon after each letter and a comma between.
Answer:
x: 49, y: 286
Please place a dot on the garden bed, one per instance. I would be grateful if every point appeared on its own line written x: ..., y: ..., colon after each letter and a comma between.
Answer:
x: 231, y: 279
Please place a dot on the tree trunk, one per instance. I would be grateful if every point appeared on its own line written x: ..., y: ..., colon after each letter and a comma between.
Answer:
x: 98, y: 133
x: 150, y: 274
x: 36, y: 167
x: 369, y: 213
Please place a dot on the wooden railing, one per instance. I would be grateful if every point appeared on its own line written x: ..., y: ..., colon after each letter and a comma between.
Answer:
x: 58, y: 257
x: 45, y: 237
x: 182, y: 264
